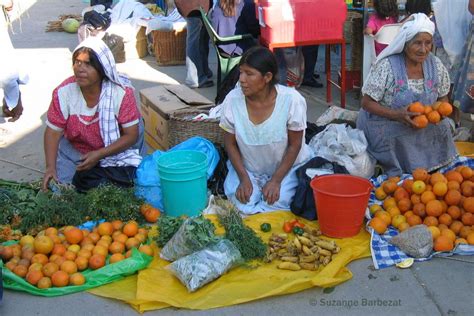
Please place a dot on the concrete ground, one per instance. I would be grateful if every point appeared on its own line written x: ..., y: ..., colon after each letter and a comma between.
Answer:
x: 436, y: 287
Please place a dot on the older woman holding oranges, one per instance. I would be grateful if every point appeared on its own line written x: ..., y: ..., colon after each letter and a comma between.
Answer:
x: 395, y: 116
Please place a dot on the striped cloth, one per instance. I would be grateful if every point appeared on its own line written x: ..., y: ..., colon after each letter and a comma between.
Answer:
x: 385, y: 254
x: 109, y: 128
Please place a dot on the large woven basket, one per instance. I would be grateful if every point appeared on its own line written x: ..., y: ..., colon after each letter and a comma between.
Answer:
x: 169, y: 47
x: 182, y: 126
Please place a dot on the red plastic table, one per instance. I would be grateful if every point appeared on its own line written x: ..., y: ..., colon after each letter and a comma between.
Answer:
x: 328, y: 43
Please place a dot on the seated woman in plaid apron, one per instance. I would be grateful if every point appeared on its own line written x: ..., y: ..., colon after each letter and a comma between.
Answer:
x: 264, y: 127
x: 406, y: 72
x: 94, y: 132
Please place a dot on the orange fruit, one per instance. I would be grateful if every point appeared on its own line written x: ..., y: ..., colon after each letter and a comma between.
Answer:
x: 443, y: 243
x: 35, y: 266
x: 414, y: 220
x: 454, y: 212
x: 379, y: 225
x: 460, y: 241
x: 77, y: 279
x: 470, y: 238
x: 466, y: 172
x: 408, y: 214
x: 435, y: 232
x: 403, y: 226
x: 116, y: 247
x: 428, y: 109
x: 130, y: 229
x: 50, y: 231
x: 404, y: 205
x: 147, y: 249
x: 440, y: 188
x: 445, y: 219
x: 453, y: 175
x: 407, y: 185
x: 96, y: 261
x: 428, y: 196
x: 468, y: 204
x: 389, y: 202
x: 418, y: 187
x: 415, y: 198
x: 20, y: 270
x: 436, y: 105
x: 142, y: 238
x: 69, y: 267
x: 430, y: 221
x: 95, y: 237
x: 105, y: 228
x: 421, y: 121
x: 44, y: 283
x: 69, y: 255
x: 49, y: 269
x: 392, y: 211
x: 74, y: 235
x: 133, y: 242
x: 40, y: 258
x: 116, y: 257
x: 465, y: 230
x: 121, y: 238
x: 456, y: 227
x: 420, y: 174
x: 385, y: 216
x: 434, y: 208
x: 437, y: 177
x: 448, y: 233
x: 82, y: 263
x: 60, y: 278
x: 467, y: 219
x: 34, y: 276
x: 151, y: 216
x: 396, y: 220
x: 380, y: 194
x: 389, y: 187
x: 59, y: 249
x: 416, y: 107
x: 400, y: 193
x: 445, y: 109
x: 101, y: 250
x: 43, y: 244
x: 452, y: 197
x: 419, y: 209
x: 453, y: 185
x: 433, y: 117
x: 117, y: 225
x: 84, y: 253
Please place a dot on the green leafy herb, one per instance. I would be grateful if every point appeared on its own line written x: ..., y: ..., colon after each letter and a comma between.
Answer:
x: 167, y: 227
x: 245, y: 239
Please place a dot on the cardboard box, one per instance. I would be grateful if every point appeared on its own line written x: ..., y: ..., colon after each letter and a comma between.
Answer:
x: 157, y: 103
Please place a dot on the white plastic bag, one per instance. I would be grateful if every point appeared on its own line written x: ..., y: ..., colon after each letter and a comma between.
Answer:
x: 336, y: 113
x: 346, y: 146
x: 294, y: 66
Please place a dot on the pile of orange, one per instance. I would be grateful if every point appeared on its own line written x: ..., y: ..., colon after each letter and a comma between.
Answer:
x: 443, y: 202
x: 429, y: 113
x: 56, y: 257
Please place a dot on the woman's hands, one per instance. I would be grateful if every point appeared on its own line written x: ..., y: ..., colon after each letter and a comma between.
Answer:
x: 50, y: 174
x: 89, y: 160
x: 404, y: 116
x: 244, y: 191
x: 271, y: 191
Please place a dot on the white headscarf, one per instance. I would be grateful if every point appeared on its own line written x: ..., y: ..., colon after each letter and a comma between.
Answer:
x: 415, y: 24
x: 109, y: 128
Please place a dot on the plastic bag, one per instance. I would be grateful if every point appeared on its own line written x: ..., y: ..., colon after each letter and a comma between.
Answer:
x: 193, y: 235
x: 94, y: 278
x: 206, y: 265
x: 346, y: 146
x: 336, y: 113
x: 294, y: 66
x: 148, y: 184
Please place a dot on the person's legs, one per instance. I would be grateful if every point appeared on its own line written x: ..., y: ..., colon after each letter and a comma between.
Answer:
x: 89, y: 179
x: 204, y: 49
x: 310, y: 54
x: 197, y: 68
x: 66, y: 162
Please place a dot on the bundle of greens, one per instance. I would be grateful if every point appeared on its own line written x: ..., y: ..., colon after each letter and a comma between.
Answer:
x: 193, y: 235
x: 244, y: 238
x: 167, y: 227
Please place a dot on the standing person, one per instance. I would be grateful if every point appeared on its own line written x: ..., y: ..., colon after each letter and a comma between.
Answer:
x: 264, y: 125
x: 310, y: 54
x: 198, y: 73
x: 386, y: 12
x: 406, y: 72
x: 463, y: 91
x: 10, y: 75
x: 235, y: 17
x: 94, y: 132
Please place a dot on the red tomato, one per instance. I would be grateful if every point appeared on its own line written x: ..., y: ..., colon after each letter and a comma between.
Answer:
x: 298, y: 224
x: 287, y: 227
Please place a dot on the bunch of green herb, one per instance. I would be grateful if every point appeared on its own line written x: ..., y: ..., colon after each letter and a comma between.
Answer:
x: 250, y: 245
x: 193, y: 235
x: 167, y: 227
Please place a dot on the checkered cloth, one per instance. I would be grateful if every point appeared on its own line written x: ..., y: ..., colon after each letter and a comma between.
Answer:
x: 385, y: 254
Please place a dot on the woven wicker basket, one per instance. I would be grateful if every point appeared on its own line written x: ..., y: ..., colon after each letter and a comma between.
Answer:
x: 169, y: 47
x: 182, y: 127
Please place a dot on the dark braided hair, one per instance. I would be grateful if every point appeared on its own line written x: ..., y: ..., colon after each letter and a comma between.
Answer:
x: 418, y: 6
x: 386, y: 8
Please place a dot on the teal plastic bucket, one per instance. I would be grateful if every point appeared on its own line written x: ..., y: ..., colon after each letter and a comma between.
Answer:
x: 183, y: 182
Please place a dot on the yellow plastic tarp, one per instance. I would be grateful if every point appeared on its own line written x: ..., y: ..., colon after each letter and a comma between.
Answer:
x: 155, y: 287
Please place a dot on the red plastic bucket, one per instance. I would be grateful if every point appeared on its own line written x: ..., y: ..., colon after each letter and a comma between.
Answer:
x: 341, y: 201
